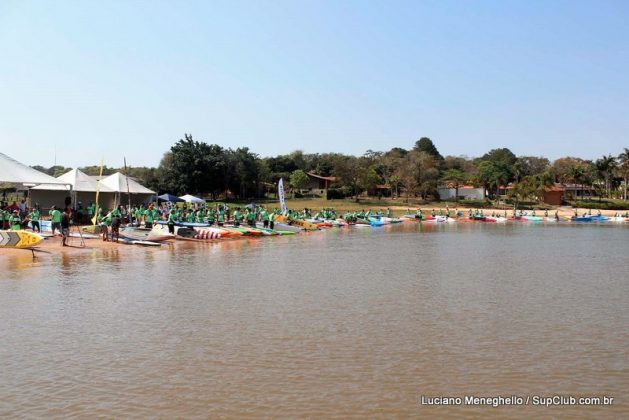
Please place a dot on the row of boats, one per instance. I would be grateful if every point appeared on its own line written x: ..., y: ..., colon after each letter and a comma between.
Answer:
x: 204, y: 232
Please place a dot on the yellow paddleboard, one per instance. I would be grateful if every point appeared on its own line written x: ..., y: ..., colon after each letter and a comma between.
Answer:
x: 19, y: 239
x: 297, y: 222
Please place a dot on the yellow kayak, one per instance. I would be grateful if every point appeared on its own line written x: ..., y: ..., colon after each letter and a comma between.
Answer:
x: 19, y: 239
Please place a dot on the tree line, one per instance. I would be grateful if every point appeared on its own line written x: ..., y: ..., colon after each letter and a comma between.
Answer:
x: 210, y: 170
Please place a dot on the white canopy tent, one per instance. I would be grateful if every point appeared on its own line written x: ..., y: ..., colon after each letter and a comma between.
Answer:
x: 118, y: 184
x: 14, y: 172
x: 192, y: 199
x: 83, y: 190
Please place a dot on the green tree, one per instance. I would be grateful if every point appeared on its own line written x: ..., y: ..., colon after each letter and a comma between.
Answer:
x: 623, y: 168
x: 426, y: 145
x: 456, y: 178
x: 605, y: 168
x: 298, y: 180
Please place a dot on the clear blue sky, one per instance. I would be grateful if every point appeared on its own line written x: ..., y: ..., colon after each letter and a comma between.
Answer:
x: 129, y: 78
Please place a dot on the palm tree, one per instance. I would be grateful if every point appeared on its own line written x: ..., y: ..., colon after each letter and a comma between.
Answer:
x: 605, y: 167
x: 623, y: 168
x: 576, y: 176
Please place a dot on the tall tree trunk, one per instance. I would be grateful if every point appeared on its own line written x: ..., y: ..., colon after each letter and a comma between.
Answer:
x: 626, y: 187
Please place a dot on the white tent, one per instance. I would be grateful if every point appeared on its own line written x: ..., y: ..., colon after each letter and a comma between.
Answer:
x: 192, y: 199
x: 83, y: 191
x: 14, y: 172
x: 118, y: 184
x: 79, y: 181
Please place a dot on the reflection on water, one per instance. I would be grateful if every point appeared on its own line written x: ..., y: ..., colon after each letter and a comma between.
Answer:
x: 336, y: 323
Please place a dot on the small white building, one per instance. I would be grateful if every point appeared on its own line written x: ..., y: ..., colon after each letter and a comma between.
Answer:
x: 466, y: 192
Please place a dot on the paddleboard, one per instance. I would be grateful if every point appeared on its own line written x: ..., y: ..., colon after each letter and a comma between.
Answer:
x: 19, y: 239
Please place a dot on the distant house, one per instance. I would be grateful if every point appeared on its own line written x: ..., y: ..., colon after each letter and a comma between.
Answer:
x: 466, y: 192
x: 319, y: 184
x: 380, y: 190
x: 557, y: 194
x: 554, y: 195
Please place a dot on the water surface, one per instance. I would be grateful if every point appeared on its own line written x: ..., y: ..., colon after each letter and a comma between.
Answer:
x: 357, y: 322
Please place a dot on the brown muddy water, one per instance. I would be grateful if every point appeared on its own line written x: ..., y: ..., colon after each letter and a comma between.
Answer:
x: 338, y: 323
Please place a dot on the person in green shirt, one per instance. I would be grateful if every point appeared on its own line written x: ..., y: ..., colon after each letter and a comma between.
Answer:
x: 148, y: 218
x: 264, y: 215
x: 16, y: 221
x: 171, y: 221
x: 199, y: 216
x: 55, y: 218
x: 210, y: 216
x: 237, y: 217
x: 221, y: 216
x: 190, y: 216
x: 251, y: 218
x: 35, y: 215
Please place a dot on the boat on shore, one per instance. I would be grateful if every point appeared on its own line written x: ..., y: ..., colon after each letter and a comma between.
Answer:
x: 145, y: 234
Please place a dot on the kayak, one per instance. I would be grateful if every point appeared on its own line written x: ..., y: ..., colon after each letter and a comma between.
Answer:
x: 498, y: 219
x: 128, y: 241
x: 589, y: 218
x: 618, y: 219
x: 441, y: 219
x: 531, y: 218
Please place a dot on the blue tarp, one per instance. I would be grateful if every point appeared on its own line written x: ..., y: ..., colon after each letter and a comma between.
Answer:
x: 170, y: 198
